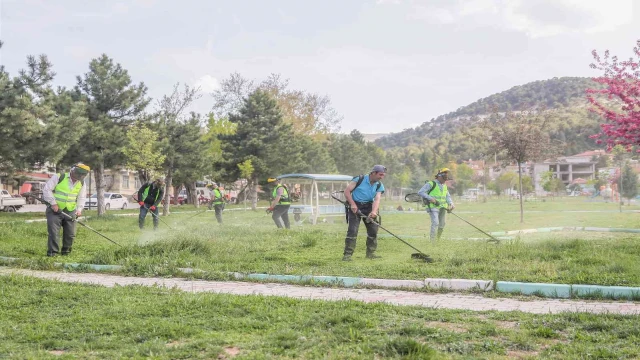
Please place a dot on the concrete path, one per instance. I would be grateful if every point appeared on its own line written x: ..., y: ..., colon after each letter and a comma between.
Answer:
x: 395, y: 297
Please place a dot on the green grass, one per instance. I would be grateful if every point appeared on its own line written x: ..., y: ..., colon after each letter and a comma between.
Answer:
x: 42, y: 319
x: 249, y: 242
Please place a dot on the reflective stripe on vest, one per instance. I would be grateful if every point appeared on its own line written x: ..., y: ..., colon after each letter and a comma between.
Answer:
x: 65, y: 195
x: 217, y: 197
x: 284, y: 198
x: 440, y: 195
x: 146, y: 193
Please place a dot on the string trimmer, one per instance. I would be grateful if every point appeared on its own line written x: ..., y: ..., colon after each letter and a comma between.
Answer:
x: 416, y: 198
x: 157, y: 217
x: 71, y: 217
x: 419, y: 255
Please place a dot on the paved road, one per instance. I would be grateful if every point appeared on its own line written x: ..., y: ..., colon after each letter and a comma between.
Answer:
x: 395, y: 297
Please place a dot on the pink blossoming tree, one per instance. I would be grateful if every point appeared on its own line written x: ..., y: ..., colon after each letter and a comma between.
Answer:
x: 618, y: 101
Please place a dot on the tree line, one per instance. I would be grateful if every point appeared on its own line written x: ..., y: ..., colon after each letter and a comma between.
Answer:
x: 255, y: 130
x: 259, y: 129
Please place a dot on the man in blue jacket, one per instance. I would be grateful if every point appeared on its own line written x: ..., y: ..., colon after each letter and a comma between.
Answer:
x: 363, y: 194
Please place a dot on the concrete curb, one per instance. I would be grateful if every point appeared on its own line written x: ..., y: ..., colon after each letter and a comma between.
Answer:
x: 96, y: 267
x: 546, y: 290
x: 567, y: 291
x: 459, y: 284
x: 337, y: 280
x: 389, y: 283
x: 541, y: 289
x: 615, y: 292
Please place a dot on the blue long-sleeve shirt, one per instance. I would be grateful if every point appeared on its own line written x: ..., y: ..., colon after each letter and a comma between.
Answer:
x: 425, y: 190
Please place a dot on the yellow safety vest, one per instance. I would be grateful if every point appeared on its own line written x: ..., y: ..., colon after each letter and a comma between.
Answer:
x: 217, y: 197
x: 284, y: 198
x: 66, y: 195
x: 440, y: 195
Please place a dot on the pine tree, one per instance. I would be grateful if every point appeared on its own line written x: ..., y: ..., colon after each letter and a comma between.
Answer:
x: 262, y: 137
x: 113, y: 104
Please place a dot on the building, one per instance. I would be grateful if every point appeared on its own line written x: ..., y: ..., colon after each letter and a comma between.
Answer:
x: 123, y: 181
x: 36, y: 176
x: 568, y: 168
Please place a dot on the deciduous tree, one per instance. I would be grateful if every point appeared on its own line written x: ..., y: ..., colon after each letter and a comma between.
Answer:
x: 143, y: 152
x: 522, y: 136
x: 618, y: 102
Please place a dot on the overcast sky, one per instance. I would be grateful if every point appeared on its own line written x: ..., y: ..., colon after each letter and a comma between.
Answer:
x: 386, y: 64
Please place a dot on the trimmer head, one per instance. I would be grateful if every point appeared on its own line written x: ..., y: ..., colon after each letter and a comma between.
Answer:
x: 421, y: 256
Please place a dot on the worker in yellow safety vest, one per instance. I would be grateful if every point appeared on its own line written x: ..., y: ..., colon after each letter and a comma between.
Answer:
x: 65, y: 192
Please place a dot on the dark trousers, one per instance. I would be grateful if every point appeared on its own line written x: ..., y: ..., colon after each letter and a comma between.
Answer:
x: 281, y: 215
x: 55, y: 221
x: 352, y: 231
x: 143, y: 213
x: 218, y: 208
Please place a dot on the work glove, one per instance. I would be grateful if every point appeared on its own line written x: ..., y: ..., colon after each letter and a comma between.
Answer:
x: 140, y: 203
x: 153, y: 208
x: 451, y: 207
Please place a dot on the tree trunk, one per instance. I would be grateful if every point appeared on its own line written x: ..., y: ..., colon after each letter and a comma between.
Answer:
x: 520, y: 192
x: 620, y: 187
x: 191, y: 194
x: 244, y: 194
x: 254, y: 194
x: 196, y: 196
x: 167, y: 186
x: 143, y: 175
x: 100, y: 187
x: 485, y: 173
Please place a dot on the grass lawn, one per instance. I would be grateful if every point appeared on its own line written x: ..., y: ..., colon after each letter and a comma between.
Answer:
x: 42, y: 319
x: 249, y: 242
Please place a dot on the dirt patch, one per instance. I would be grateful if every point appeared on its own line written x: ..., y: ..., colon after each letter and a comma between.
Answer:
x: 229, y: 352
x: 506, y: 324
x: 56, y: 352
x: 447, y: 326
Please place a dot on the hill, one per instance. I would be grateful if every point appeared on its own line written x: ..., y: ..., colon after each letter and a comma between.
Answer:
x: 373, y: 137
x: 566, y: 95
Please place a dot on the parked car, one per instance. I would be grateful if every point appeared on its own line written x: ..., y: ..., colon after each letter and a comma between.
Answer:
x: 9, y: 203
x: 179, y: 201
x: 111, y: 201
